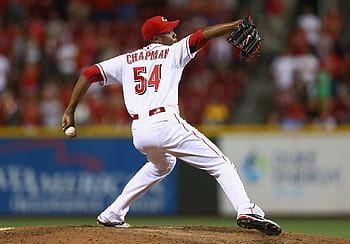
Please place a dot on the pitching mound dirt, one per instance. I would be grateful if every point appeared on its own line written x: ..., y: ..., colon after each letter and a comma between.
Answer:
x: 87, y: 234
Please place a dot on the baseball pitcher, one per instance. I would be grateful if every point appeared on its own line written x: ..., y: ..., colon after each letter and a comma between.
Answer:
x: 150, y: 77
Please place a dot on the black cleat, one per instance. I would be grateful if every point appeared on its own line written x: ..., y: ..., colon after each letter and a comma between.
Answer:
x: 254, y: 221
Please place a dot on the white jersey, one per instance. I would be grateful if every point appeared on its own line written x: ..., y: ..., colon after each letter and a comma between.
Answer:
x: 150, y: 76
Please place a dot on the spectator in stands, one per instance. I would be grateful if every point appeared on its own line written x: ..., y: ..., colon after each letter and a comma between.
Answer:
x: 9, y: 109
x: 83, y: 113
x: 215, y: 112
x: 50, y: 105
x: 30, y: 110
x: 4, y: 72
x: 220, y: 54
x: 297, y: 41
x: 79, y: 10
x: 321, y: 98
x: 282, y: 69
x: 290, y: 110
x: 332, y: 22
x: 66, y: 55
x: 306, y: 67
x: 29, y: 79
x: 275, y: 18
x: 310, y: 23
x: 341, y: 105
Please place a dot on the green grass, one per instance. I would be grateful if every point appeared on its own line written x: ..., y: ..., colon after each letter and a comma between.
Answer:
x: 338, y: 227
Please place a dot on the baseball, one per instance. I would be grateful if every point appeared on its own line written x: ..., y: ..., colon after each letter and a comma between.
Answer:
x: 70, y: 131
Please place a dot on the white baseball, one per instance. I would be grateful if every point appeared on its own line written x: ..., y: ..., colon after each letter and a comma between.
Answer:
x: 70, y: 131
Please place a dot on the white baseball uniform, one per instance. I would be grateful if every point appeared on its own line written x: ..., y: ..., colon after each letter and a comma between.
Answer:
x: 150, y: 77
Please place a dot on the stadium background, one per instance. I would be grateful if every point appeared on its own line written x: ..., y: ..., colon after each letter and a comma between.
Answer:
x: 297, y: 88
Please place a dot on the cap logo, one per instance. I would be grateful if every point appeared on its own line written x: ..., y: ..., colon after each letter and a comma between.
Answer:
x: 164, y: 19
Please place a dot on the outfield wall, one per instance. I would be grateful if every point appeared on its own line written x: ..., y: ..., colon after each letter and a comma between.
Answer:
x: 287, y: 173
x: 48, y: 176
x: 292, y: 173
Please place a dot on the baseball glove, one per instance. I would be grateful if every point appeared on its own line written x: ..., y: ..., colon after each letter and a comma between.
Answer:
x: 247, y: 38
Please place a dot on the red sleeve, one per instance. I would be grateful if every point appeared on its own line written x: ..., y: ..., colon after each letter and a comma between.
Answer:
x: 197, y: 40
x: 93, y: 74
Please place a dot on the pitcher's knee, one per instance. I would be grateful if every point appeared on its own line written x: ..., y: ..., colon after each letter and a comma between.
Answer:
x: 220, y: 168
x: 166, y: 167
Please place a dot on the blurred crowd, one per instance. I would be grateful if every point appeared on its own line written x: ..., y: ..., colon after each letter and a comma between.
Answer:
x: 45, y: 44
x: 311, y: 73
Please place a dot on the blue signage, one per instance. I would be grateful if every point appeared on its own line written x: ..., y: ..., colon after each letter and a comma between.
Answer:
x: 80, y: 176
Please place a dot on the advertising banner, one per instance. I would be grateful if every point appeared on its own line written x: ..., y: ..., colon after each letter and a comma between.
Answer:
x: 80, y: 176
x: 292, y: 174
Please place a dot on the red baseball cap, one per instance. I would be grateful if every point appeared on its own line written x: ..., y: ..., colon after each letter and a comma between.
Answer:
x: 156, y: 25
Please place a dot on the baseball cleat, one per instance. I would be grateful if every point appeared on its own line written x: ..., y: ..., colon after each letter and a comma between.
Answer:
x: 254, y: 221
x: 116, y: 224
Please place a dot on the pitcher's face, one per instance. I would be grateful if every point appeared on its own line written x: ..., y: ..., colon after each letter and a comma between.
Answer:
x: 167, y: 38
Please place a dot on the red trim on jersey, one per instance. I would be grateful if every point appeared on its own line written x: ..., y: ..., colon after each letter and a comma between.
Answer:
x: 188, y: 48
x: 103, y: 72
x: 197, y: 40
x: 93, y: 74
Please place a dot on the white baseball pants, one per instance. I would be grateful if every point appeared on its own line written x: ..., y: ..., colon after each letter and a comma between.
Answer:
x: 164, y: 137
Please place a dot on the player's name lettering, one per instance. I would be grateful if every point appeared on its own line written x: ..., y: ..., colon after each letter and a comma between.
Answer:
x: 147, y: 55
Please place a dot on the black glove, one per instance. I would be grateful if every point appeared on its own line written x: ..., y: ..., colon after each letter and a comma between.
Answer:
x: 247, y: 38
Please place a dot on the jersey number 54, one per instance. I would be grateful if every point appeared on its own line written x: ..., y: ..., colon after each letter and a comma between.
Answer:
x: 140, y: 74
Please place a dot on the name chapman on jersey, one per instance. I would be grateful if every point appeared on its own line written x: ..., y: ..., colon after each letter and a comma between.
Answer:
x: 146, y: 55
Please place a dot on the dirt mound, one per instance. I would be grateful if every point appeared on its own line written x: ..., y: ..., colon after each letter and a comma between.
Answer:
x: 88, y: 234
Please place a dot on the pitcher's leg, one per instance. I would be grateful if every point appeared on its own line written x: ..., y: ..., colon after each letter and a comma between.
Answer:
x: 197, y: 150
x: 231, y: 183
x: 144, y: 179
x: 226, y: 175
